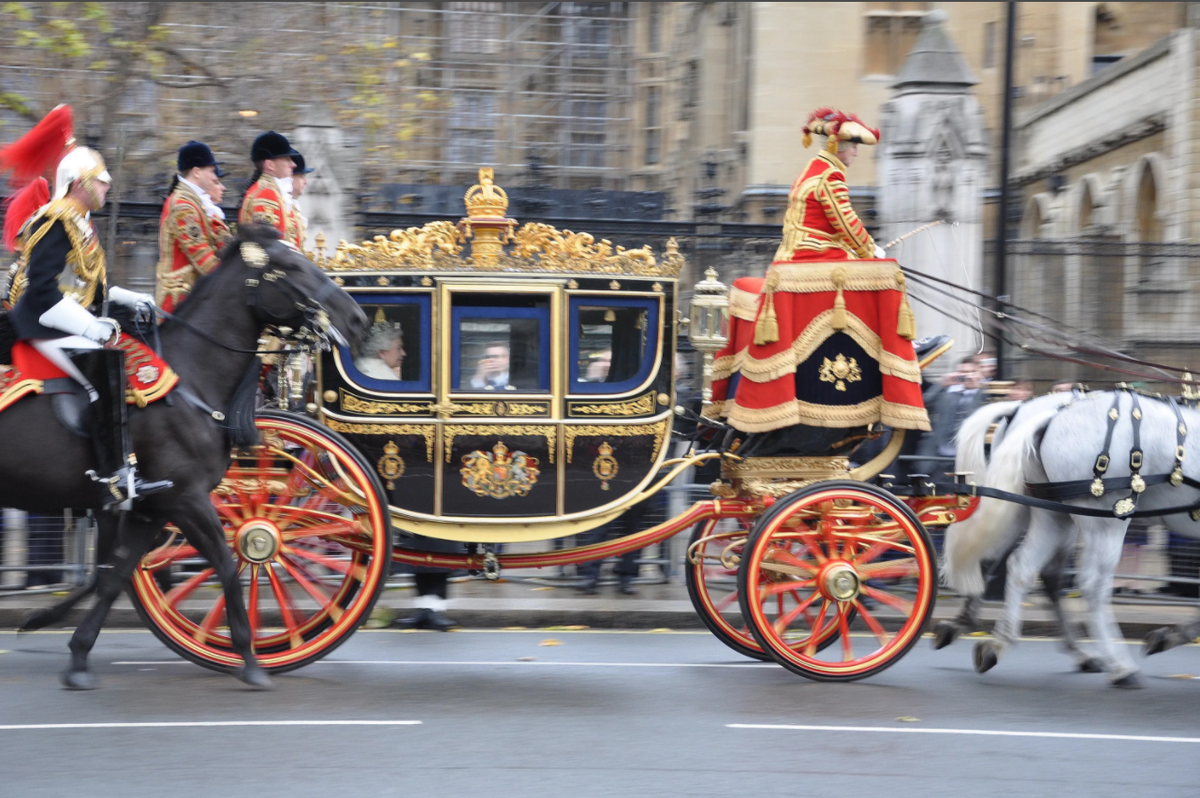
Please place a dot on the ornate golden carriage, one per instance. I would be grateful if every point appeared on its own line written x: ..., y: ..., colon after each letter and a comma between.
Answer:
x: 517, y: 383
x: 534, y: 398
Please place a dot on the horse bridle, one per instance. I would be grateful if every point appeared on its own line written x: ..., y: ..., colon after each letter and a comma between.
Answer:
x: 316, y: 328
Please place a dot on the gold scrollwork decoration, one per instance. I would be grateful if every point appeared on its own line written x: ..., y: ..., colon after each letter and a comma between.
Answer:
x: 391, y: 465
x: 641, y: 406
x: 534, y: 247
x: 605, y: 466
x: 353, y: 404
x: 426, y: 431
x: 522, y: 409
x: 657, y: 429
x: 547, y: 431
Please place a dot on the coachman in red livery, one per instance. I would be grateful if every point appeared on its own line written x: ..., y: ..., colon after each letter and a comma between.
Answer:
x: 821, y: 350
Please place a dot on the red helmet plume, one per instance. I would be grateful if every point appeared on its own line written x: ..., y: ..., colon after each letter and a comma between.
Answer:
x: 37, y: 151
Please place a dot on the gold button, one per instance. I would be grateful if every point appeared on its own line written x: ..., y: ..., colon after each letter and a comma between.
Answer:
x: 330, y: 396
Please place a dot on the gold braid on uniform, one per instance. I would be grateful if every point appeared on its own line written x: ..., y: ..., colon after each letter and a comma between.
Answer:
x: 88, y: 266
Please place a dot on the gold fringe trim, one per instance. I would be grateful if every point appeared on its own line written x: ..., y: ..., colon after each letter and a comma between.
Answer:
x: 796, y: 412
x: 816, y: 276
x: 816, y: 333
x: 766, y: 331
x: 743, y: 304
x: 725, y: 367
x: 906, y: 324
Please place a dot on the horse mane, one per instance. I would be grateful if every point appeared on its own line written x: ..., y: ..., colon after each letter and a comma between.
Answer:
x: 259, y: 234
x: 239, y: 413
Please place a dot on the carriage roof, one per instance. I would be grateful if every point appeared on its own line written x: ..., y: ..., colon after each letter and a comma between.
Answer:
x: 487, y: 241
x: 567, y: 434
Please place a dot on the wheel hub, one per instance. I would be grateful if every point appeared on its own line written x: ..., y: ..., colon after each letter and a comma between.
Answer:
x: 840, y: 582
x: 258, y: 541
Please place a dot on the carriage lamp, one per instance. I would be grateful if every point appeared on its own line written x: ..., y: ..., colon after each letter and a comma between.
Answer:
x: 708, y: 324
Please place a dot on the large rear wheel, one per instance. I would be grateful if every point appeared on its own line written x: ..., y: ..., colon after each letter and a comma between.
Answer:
x: 824, y: 555
x: 307, y: 522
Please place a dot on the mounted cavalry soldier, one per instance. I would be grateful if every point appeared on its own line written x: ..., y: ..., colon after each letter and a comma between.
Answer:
x: 59, y: 292
x: 269, y: 198
x: 192, y: 228
x: 820, y: 350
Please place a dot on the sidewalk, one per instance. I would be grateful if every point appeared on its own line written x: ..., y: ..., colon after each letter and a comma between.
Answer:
x: 494, y: 605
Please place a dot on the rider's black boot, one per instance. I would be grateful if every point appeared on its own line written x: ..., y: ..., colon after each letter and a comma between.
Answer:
x: 117, y: 466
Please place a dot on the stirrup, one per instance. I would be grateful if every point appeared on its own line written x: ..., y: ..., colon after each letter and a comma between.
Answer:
x: 125, y: 487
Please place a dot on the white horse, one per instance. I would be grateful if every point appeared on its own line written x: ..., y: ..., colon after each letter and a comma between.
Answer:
x: 1054, y: 443
x: 1043, y: 551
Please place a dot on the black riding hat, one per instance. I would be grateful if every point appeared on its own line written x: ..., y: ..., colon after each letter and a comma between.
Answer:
x: 196, y: 153
x: 271, y: 145
x: 301, y: 169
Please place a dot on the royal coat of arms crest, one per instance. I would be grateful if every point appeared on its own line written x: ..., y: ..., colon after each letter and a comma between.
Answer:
x: 499, y: 474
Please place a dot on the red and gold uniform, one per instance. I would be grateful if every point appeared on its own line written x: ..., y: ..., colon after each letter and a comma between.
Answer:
x: 825, y: 340
x: 189, y: 240
x: 264, y: 203
x: 820, y: 224
x: 299, y: 226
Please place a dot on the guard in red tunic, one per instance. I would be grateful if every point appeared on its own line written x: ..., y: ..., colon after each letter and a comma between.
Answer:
x: 825, y: 341
x: 299, y: 184
x: 269, y: 198
x: 192, y: 229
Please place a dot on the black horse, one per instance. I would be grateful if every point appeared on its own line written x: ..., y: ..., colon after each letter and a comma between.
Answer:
x: 210, y: 342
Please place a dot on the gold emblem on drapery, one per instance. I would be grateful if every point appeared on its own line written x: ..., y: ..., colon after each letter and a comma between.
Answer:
x: 840, y: 371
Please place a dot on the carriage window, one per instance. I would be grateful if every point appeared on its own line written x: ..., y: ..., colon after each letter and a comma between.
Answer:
x: 614, y: 343
x: 501, y: 347
x: 393, y: 354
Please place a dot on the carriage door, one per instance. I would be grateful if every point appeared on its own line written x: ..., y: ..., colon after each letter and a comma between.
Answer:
x: 499, y: 394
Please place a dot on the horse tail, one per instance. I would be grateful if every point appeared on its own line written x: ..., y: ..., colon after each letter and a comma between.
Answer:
x: 991, y: 530
x: 969, y: 444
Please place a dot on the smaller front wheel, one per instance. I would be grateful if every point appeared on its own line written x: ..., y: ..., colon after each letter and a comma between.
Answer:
x: 824, y: 555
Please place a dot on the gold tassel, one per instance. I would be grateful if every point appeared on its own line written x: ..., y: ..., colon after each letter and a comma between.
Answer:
x: 766, y: 331
x: 906, y: 324
x: 831, y: 143
x: 807, y: 140
x: 839, y: 301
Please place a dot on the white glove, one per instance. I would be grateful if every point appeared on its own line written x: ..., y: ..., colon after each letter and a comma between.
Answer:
x: 129, y: 299
x: 101, y: 331
x: 72, y: 318
x: 880, y: 252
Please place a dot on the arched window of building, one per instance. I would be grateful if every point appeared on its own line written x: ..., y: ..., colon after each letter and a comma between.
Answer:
x: 1149, y: 225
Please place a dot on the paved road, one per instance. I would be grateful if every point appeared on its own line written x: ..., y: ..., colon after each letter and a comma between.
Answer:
x: 625, y: 714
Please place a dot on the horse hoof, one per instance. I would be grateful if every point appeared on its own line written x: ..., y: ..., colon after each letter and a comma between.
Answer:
x: 1130, y: 681
x: 986, y: 656
x: 34, y: 621
x: 78, y: 680
x: 944, y: 633
x: 1091, y: 665
x: 256, y: 677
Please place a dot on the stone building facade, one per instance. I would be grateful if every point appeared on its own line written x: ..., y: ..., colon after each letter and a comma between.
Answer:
x: 1107, y: 178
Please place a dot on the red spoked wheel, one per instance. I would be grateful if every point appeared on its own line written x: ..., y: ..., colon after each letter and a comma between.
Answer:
x: 824, y: 555
x: 308, y: 525
x: 713, y: 555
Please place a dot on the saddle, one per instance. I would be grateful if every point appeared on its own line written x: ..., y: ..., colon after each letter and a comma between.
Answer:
x: 25, y: 371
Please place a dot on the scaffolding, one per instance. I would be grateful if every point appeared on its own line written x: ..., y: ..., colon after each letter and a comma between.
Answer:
x: 425, y: 91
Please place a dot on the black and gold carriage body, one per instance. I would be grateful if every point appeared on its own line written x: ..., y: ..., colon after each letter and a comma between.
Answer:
x: 533, y: 397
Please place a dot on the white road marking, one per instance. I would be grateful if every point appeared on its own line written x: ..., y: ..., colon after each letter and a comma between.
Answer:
x: 980, y: 732
x: 185, y: 724
x: 491, y: 663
